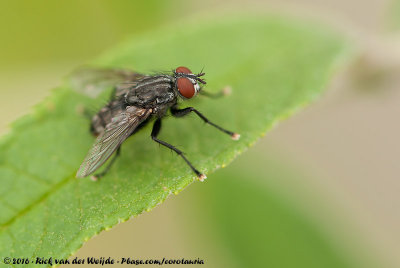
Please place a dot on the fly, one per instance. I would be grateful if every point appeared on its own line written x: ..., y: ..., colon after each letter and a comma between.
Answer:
x: 133, y: 104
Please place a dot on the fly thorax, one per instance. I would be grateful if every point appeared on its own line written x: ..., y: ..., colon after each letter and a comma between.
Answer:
x: 151, y: 91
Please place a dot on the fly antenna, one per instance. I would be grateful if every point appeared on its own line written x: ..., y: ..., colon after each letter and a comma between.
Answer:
x: 201, y: 80
x: 201, y: 74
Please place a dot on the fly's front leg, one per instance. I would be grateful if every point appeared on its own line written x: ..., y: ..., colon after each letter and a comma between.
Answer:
x: 182, y: 112
x: 154, y: 134
x: 222, y: 93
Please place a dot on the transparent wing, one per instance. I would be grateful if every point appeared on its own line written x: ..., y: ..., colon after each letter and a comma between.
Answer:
x: 93, y: 81
x: 116, y: 132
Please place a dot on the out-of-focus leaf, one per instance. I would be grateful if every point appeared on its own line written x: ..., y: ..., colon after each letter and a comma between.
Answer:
x: 393, y: 15
x: 253, y: 226
x: 46, y: 30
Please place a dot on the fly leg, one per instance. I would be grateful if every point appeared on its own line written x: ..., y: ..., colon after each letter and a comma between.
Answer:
x: 154, y: 134
x: 104, y: 172
x: 182, y: 112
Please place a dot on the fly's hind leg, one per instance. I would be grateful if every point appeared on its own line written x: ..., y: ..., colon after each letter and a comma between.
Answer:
x: 107, y: 168
x: 154, y: 134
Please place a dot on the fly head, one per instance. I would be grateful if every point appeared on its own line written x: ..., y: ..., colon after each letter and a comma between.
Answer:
x: 187, y: 84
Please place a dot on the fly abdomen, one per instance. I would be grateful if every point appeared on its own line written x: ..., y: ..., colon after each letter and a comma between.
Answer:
x: 105, y: 115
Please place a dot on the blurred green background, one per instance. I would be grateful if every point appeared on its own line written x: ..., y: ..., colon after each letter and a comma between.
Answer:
x: 321, y: 190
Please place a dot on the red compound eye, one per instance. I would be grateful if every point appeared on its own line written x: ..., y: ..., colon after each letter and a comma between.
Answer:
x: 185, y: 87
x: 183, y: 70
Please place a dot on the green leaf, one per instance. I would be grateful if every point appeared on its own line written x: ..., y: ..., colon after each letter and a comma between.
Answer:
x: 274, y: 66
